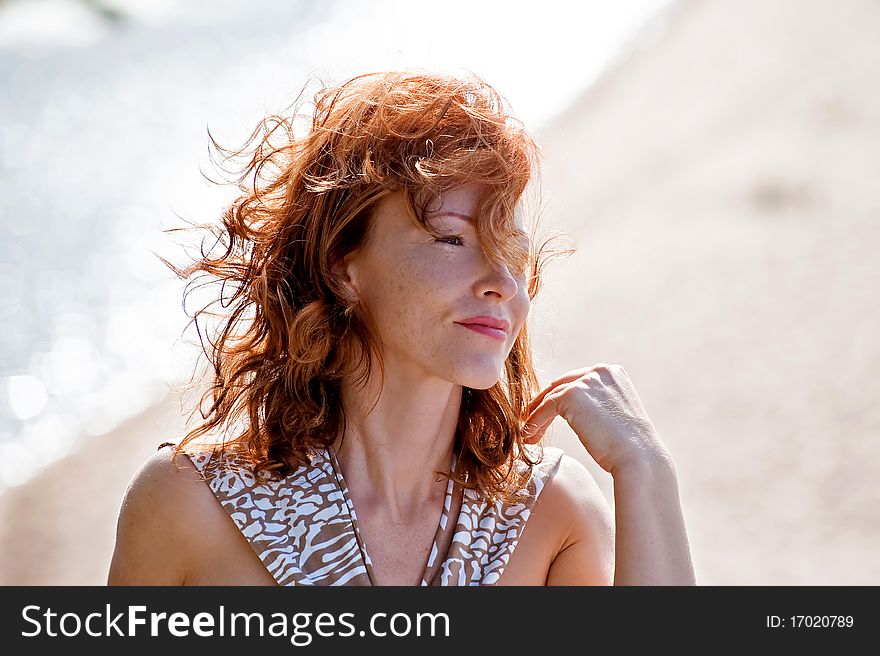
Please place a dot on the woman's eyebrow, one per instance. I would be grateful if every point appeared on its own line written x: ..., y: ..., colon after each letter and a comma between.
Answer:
x: 451, y: 213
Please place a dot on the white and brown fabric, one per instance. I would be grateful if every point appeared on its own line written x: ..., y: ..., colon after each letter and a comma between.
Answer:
x: 304, y: 526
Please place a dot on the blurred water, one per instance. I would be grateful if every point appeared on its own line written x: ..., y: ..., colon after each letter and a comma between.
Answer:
x: 103, y: 110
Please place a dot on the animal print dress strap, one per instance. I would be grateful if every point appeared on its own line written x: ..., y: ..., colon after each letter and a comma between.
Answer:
x: 298, y: 525
x: 485, y: 536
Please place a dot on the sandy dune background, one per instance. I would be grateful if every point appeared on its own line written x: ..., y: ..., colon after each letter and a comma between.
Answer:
x: 721, y: 185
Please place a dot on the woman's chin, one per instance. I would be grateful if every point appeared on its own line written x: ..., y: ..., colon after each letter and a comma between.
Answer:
x: 480, y: 382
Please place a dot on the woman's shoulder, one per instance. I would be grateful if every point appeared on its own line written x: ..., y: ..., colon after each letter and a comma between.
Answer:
x: 561, y: 488
x: 576, y: 504
x: 168, y: 515
x: 570, y: 483
x: 163, y: 482
x: 571, y: 510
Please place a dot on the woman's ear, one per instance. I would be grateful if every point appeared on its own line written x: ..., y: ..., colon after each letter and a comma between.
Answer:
x: 345, y: 271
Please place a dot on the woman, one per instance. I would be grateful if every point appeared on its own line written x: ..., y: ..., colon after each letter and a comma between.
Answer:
x: 375, y: 416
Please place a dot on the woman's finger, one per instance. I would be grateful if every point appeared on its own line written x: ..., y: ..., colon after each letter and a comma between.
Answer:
x: 534, y: 435
x: 542, y: 416
x: 565, y: 378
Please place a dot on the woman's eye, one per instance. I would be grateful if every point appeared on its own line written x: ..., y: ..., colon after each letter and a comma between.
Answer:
x: 447, y: 240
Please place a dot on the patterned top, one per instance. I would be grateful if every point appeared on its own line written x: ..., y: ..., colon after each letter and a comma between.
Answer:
x: 304, y: 526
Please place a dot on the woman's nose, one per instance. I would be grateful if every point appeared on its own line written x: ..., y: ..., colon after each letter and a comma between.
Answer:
x: 502, y: 280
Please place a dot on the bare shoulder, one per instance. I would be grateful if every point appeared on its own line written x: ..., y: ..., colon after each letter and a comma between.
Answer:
x: 164, y: 522
x: 586, y: 554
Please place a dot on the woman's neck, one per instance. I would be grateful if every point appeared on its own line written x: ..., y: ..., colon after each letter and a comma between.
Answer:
x: 389, y: 457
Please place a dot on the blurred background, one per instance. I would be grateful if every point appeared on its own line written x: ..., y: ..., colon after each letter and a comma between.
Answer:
x: 714, y: 162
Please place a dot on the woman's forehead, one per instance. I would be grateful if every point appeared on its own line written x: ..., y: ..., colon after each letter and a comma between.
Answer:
x: 462, y: 199
x: 462, y: 202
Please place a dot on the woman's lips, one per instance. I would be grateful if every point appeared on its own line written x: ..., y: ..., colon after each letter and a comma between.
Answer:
x: 485, y: 330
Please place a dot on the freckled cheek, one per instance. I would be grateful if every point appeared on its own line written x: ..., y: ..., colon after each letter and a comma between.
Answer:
x: 404, y: 296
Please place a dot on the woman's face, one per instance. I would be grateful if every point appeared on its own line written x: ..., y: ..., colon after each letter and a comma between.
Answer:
x: 417, y: 288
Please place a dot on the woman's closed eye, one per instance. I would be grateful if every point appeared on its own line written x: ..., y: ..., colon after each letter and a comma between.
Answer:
x: 447, y: 240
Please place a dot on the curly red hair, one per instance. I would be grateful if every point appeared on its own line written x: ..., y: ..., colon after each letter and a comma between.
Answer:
x: 288, y: 336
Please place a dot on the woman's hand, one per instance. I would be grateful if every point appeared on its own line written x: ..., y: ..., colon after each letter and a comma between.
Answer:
x: 602, y: 407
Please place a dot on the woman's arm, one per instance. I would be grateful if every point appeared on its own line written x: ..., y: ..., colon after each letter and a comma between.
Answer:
x: 651, y: 539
